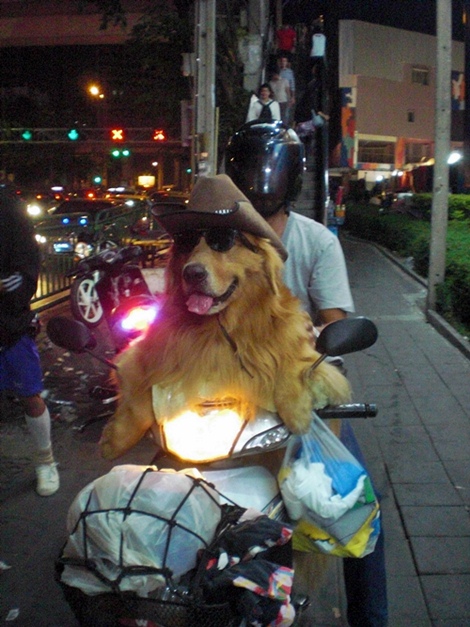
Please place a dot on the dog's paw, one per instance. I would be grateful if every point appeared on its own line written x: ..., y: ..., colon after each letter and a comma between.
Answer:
x: 298, y: 423
x: 109, y: 448
x: 295, y: 411
x: 329, y: 386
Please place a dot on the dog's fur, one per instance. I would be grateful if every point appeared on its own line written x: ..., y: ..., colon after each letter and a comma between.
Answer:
x: 255, y: 344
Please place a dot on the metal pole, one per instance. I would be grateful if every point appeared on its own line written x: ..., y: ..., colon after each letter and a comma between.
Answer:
x: 206, y: 159
x: 466, y: 125
x: 440, y: 200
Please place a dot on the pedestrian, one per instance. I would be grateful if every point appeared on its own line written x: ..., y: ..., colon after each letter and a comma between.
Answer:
x: 286, y: 40
x: 316, y: 273
x: 285, y: 71
x: 281, y: 92
x: 310, y: 106
x: 20, y: 368
x: 263, y: 107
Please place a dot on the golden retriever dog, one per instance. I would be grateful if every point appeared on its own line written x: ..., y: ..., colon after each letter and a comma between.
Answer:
x: 228, y: 328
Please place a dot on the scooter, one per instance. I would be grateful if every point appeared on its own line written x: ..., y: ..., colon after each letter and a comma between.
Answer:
x: 239, y: 458
x: 103, y: 281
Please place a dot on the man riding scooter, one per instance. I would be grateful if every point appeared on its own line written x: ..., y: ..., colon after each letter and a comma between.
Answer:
x: 265, y: 161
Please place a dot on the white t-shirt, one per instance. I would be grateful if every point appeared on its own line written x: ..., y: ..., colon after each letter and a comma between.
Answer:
x: 315, y: 270
x: 256, y: 105
x: 280, y: 89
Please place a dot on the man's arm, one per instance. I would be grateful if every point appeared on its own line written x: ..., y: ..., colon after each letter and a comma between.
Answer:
x: 330, y: 315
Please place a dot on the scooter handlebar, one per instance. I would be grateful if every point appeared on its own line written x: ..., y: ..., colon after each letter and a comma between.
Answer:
x: 349, y: 410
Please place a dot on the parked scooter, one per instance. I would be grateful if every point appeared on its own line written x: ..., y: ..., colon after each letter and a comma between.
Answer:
x: 240, y: 458
x: 103, y: 281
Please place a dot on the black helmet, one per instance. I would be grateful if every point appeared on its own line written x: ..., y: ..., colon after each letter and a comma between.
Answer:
x: 266, y: 162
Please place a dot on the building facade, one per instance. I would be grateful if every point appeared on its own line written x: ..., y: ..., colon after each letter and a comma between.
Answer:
x: 387, y: 85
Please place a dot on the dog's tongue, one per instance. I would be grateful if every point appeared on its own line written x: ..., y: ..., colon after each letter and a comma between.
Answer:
x: 199, y: 303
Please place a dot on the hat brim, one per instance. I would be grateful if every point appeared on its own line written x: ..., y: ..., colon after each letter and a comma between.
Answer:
x: 240, y: 216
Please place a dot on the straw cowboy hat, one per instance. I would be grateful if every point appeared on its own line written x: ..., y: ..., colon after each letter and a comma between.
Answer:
x: 216, y: 201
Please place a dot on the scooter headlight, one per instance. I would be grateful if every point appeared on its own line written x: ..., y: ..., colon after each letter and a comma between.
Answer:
x: 269, y: 440
x: 205, y: 435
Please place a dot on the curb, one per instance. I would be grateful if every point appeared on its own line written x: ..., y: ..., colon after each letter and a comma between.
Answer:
x: 438, y: 322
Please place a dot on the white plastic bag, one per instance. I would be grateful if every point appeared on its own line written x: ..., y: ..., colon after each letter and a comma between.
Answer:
x: 120, y: 521
x: 330, y: 494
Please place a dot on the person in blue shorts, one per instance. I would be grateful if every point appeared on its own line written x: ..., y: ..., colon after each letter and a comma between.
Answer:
x: 20, y: 368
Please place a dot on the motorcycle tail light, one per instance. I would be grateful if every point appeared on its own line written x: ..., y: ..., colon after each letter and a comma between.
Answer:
x: 139, y: 319
x: 203, y: 437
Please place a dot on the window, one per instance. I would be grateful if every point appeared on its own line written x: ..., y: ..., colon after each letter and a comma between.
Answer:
x: 417, y: 153
x: 420, y: 76
x: 376, y: 152
x: 411, y: 115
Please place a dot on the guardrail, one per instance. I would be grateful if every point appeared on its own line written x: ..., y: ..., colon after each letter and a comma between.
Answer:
x: 53, y: 280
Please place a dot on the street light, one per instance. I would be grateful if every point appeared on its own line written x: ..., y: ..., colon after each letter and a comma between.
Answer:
x: 96, y: 92
x: 454, y: 157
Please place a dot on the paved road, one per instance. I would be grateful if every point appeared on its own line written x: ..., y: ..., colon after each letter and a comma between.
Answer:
x: 417, y: 450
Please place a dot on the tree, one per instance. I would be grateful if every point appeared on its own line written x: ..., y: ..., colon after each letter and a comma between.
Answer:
x: 164, y: 28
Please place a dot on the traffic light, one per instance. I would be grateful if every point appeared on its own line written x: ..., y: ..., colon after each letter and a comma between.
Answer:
x: 117, y: 134
x: 27, y: 135
x: 73, y: 134
x: 117, y: 153
x: 159, y: 135
x: 97, y: 180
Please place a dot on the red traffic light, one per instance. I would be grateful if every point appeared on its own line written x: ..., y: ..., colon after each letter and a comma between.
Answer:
x: 159, y: 135
x: 117, y: 134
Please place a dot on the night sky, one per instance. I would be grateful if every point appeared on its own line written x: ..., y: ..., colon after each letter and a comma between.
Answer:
x: 415, y: 15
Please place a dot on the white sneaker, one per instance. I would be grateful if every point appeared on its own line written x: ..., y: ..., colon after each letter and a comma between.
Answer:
x: 48, y: 479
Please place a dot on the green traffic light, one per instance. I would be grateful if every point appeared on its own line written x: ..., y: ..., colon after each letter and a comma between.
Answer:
x: 97, y: 180
x: 116, y: 153
x: 126, y: 152
x: 26, y: 135
x: 73, y: 134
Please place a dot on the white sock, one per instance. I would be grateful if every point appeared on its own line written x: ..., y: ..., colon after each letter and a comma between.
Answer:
x: 40, y: 430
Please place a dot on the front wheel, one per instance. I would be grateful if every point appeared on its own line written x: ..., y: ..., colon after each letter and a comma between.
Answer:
x: 84, y: 301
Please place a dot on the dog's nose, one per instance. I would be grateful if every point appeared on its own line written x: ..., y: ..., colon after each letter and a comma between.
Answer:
x: 194, y: 273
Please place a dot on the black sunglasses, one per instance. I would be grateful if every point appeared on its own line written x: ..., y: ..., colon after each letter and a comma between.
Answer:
x: 220, y: 239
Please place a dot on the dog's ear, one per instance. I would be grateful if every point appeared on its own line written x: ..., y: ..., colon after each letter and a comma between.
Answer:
x: 273, y: 264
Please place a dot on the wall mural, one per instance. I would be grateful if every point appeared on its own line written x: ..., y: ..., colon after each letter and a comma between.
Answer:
x: 348, y: 126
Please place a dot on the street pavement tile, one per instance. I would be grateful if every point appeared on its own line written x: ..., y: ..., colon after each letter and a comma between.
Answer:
x: 441, y: 555
x: 436, y: 521
x: 402, y: 444
x: 406, y: 602
x: 448, y: 598
x: 451, y: 431
x: 398, y: 556
x: 459, y: 472
x: 453, y: 450
x: 439, y: 408
x: 416, y: 471
x: 426, y: 494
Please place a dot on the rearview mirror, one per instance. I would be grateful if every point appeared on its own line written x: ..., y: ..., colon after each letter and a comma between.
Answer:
x: 346, y: 336
x: 70, y: 334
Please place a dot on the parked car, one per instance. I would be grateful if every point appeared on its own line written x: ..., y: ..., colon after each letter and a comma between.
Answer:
x: 83, y: 226
x: 39, y: 204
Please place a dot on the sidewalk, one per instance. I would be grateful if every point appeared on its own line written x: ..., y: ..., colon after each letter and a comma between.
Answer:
x: 418, y: 445
x: 417, y: 450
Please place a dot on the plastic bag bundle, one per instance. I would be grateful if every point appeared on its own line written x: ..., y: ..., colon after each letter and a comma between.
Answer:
x: 135, y: 528
x: 330, y: 495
